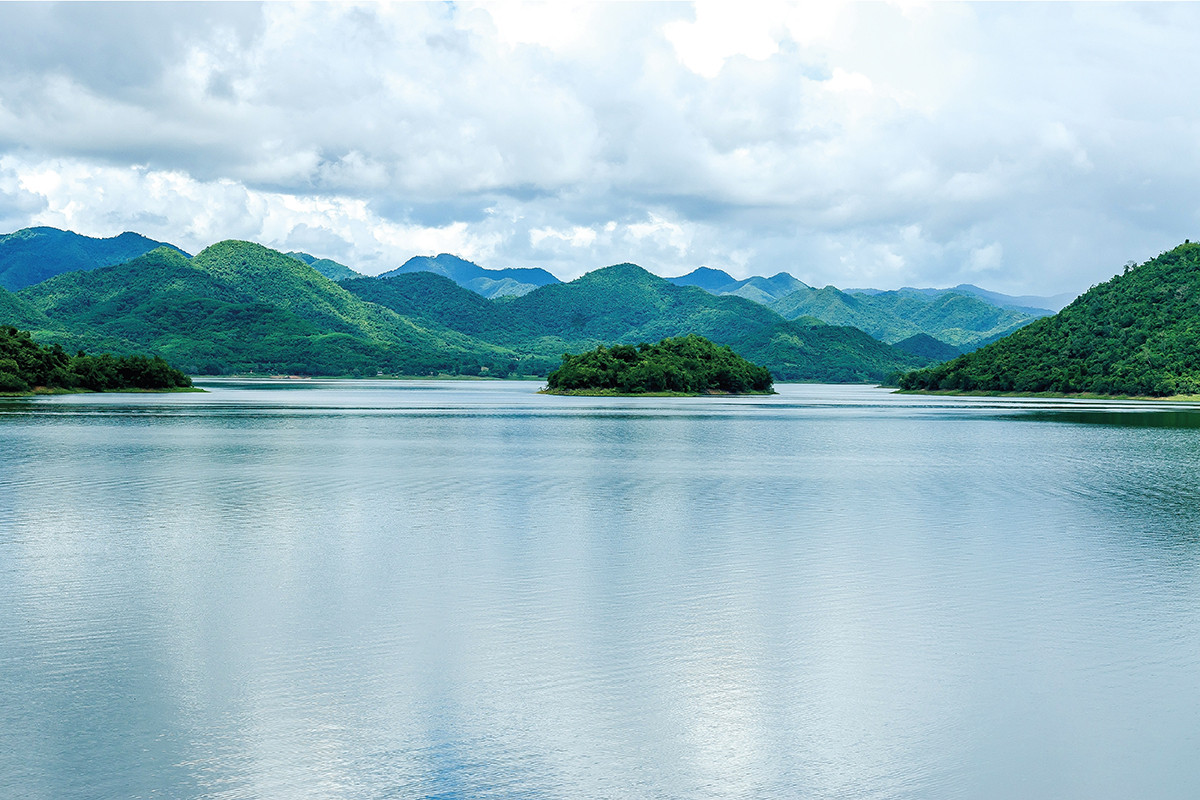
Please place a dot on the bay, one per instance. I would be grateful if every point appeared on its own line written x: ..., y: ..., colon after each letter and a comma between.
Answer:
x: 364, y: 589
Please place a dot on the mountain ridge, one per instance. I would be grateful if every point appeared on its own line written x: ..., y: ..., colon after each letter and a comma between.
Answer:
x: 32, y: 255
x: 1135, y: 334
x: 491, y: 283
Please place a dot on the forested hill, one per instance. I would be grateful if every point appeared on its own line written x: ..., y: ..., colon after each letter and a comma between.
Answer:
x: 1137, y: 334
x: 625, y: 304
x: 962, y: 321
x: 32, y: 255
x: 18, y: 313
x: 242, y: 307
x: 327, y: 267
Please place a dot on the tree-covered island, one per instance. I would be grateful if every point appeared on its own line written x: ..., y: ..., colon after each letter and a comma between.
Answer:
x: 684, y: 365
x: 27, y: 367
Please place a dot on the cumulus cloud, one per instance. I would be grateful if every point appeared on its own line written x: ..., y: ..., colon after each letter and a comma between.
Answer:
x: 1032, y: 147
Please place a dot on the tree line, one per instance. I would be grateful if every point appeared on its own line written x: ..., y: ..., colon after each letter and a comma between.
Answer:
x: 26, y: 365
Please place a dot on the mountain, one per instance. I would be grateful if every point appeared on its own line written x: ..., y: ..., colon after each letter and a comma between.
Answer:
x: 759, y: 289
x: 32, y: 255
x: 19, y: 314
x: 822, y: 353
x: 1027, y: 303
x: 330, y: 269
x: 240, y: 307
x: 437, y: 300
x: 618, y: 304
x: 924, y: 345
x: 1136, y: 334
x: 963, y: 321
x: 706, y: 278
x: 511, y: 282
x: 625, y: 304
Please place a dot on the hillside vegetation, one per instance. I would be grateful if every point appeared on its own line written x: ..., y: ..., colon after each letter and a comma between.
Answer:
x: 962, y: 321
x: 1038, y: 305
x: 327, y: 267
x: 19, y: 313
x: 239, y: 307
x: 26, y: 365
x: 1136, y: 334
x: 823, y: 353
x: 625, y: 304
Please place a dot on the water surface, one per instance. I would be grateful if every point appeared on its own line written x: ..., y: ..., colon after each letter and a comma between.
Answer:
x: 404, y: 589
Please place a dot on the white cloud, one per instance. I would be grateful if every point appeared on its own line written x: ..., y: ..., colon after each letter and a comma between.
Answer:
x: 770, y: 136
x: 171, y: 206
x: 722, y: 30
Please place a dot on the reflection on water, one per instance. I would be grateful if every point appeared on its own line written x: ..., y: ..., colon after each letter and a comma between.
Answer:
x: 1125, y: 418
x: 380, y: 588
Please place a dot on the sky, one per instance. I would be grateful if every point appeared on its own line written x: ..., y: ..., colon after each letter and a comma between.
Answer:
x: 1027, y: 148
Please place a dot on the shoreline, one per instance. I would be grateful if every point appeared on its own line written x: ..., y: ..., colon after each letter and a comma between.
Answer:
x: 1175, y: 398
x: 41, y: 391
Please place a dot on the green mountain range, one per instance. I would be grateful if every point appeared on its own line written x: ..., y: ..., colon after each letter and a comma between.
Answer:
x: 759, y: 289
x: 963, y: 321
x: 32, y: 255
x: 1136, y: 334
x: 490, y: 283
x: 241, y: 307
x: 625, y: 304
x: 1033, y: 304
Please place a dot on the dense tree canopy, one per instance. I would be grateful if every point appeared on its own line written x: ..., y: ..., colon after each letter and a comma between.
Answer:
x: 25, y: 365
x: 687, y: 364
x: 960, y: 320
x: 1137, y: 334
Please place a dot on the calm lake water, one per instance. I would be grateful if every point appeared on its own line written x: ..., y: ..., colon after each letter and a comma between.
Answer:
x: 466, y: 590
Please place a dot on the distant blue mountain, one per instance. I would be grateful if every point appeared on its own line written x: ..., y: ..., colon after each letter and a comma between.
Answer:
x: 1027, y: 303
x: 708, y: 279
x: 759, y: 289
x: 510, y: 282
x: 31, y: 255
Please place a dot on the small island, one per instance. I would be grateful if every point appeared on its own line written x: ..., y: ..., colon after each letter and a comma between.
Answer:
x: 681, y: 366
x: 27, y: 367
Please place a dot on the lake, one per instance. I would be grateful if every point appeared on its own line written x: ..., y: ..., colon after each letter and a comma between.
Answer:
x: 387, y: 589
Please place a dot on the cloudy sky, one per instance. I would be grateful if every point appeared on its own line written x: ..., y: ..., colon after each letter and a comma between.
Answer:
x: 1028, y: 148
